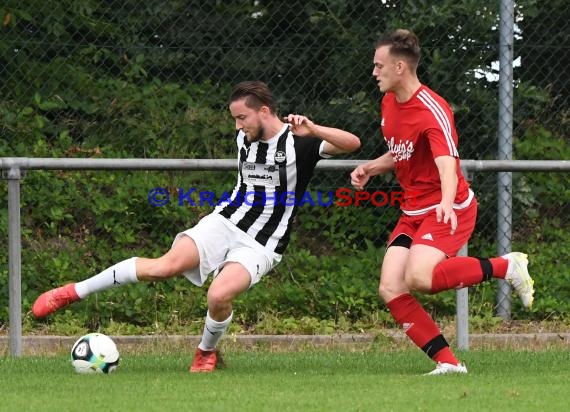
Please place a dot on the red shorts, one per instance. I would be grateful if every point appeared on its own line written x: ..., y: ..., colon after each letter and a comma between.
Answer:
x: 425, y: 230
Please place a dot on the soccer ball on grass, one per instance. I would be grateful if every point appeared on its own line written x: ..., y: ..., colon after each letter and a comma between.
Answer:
x: 93, y: 353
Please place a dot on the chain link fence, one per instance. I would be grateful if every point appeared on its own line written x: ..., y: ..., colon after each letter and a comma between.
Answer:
x: 87, y: 78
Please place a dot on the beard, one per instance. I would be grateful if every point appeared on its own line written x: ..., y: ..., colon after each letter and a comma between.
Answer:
x: 255, y: 137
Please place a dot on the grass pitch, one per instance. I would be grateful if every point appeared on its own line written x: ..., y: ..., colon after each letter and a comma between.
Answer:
x: 315, y: 380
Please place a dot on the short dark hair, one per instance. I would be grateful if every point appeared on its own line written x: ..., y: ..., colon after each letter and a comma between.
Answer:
x: 256, y: 94
x: 403, y: 43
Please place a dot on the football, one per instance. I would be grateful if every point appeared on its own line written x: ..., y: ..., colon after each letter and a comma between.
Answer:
x: 94, y: 353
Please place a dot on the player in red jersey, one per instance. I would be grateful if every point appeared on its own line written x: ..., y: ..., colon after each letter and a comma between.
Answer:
x: 440, y: 209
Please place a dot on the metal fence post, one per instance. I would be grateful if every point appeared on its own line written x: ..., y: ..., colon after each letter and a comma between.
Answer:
x: 462, y: 316
x: 504, y: 200
x: 462, y: 295
x: 14, y: 261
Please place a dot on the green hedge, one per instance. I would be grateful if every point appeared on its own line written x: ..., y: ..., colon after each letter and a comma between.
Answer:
x: 75, y: 224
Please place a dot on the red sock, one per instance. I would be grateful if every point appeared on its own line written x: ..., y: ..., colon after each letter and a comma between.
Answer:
x: 420, y: 328
x: 462, y: 271
x: 500, y: 266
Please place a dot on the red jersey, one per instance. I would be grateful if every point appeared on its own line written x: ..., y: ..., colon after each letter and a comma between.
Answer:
x: 417, y: 132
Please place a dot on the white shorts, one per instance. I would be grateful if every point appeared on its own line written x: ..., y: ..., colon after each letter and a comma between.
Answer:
x: 220, y: 241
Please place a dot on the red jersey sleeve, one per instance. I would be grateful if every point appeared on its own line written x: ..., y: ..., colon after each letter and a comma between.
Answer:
x: 440, y: 125
x: 439, y: 144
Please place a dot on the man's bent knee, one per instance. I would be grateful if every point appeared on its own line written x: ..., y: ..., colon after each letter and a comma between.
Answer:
x: 219, y: 301
x: 389, y: 291
x: 417, y: 281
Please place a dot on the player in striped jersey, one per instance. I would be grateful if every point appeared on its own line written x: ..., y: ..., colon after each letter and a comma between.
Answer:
x: 439, y: 210
x: 247, y: 233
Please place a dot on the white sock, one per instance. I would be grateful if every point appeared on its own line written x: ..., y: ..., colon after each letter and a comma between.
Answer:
x: 122, y: 273
x: 213, y: 331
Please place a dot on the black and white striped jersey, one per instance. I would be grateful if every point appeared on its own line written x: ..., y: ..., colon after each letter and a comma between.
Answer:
x: 273, y: 176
